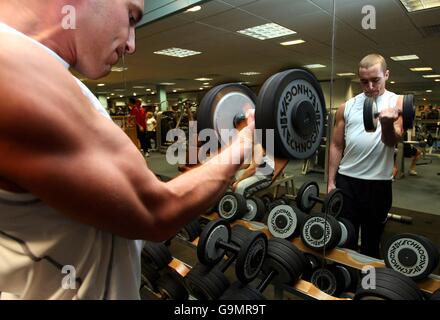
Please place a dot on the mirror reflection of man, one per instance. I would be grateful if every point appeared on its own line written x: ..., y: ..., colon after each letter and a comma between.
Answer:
x: 361, y: 163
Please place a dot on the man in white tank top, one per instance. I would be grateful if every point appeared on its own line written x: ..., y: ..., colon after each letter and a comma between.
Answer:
x: 361, y: 163
x: 75, y: 192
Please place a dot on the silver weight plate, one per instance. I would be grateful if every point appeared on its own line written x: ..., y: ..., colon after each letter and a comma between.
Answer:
x: 374, y: 115
x: 228, y: 107
x: 344, y: 235
x: 252, y: 210
x: 370, y: 114
x: 315, y: 239
x: 227, y: 206
x: 282, y: 221
x: 212, y: 253
x: 306, y: 202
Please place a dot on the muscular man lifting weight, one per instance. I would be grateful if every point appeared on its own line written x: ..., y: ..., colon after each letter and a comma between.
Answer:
x: 74, y: 190
x: 361, y: 163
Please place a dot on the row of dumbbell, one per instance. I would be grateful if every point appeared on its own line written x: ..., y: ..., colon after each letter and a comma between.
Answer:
x: 283, y: 264
x: 233, y: 206
x: 412, y: 255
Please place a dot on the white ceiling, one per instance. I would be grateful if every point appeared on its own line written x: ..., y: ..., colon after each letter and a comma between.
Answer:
x: 227, y: 53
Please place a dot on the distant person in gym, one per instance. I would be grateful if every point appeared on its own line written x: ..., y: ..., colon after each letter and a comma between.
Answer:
x: 361, y: 163
x: 151, y: 130
x: 75, y: 192
x: 138, y: 112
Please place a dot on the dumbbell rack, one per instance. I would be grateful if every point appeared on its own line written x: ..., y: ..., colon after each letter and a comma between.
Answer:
x: 343, y: 256
x: 305, y: 289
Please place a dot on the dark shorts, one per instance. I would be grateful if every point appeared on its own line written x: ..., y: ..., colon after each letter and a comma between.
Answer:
x: 366, y: 205
x: 409, y: 151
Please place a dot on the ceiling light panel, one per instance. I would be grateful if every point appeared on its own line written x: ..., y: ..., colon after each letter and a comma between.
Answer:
x: 177, y: 52
x: 267, y: 31
x: 405, y: 58
x: 417, y: 5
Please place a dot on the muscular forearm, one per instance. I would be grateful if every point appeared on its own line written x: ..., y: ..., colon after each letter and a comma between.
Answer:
x: 199, y: 189
x: 335, y: 157
x: 390, y: 135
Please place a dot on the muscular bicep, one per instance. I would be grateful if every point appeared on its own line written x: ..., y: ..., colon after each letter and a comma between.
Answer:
x: 338, y: 138
x: 56, y: 146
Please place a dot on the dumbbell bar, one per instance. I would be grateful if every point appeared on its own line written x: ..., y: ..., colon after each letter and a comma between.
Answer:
x: 371, y: 113
x: 216, y: 239
x: 308, y: 195
x: 291, y: 103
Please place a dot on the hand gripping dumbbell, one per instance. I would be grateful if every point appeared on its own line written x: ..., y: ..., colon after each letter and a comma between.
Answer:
x: 215, y: 240
x: 290, y: 104
x: 233, y: 206
x: 321, y: 231
x: 371, y: 114
x: 284, y: 264
x: 308, y: 196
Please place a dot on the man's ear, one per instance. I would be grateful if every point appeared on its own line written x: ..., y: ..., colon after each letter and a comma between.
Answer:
x: 387, y: 74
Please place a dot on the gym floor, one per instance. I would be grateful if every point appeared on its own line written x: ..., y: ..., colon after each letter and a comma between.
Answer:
x: 413, y: 196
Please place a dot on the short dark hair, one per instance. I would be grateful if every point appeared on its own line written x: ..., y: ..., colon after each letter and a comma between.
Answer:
x: 132, y: 100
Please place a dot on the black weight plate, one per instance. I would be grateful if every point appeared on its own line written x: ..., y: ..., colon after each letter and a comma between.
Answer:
x: 313, y: 263
x: 171, y: 289
x: 390, y: 285
x: 208, y: 286
x: 283, y: 257
x: 237, y: 291
x: 256, y: 209
x: 239, y: 234
x: 326, y: 280
x: 303, y: 201
x: 156, y: 254
x: 333, y: 203
x: 191, y: 231
x: 408, y: 111
x: 207, y: 110
x: 232, y: 206
x: 208, y: 251
x: 312, y: 232
x: 370, y: 118
x: 251, y: 257
x: 412, y: 255
x: 296, y: 137
x: 149, y: 276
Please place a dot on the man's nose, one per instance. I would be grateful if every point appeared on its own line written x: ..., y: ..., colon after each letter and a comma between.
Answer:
x: 130, y: 45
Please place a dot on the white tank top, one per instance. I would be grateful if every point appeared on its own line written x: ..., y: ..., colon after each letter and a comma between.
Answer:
x: 365, y: 155
x: 39, y: 247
